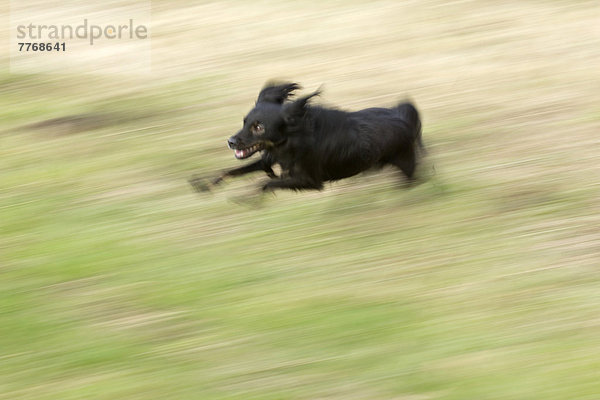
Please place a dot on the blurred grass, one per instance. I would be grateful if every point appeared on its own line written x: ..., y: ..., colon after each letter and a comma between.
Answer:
x: 116, y: 281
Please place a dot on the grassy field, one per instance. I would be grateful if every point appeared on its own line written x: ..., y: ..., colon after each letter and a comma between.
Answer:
x: 118, y: 282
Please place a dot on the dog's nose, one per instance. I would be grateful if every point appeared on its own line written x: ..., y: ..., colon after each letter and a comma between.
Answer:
x: 231, y: 142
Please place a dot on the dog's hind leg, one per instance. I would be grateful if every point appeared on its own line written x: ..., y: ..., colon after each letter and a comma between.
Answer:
x: 407, y: 163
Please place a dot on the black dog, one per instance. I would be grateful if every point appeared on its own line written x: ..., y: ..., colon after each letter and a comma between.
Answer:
x: 315, y: 144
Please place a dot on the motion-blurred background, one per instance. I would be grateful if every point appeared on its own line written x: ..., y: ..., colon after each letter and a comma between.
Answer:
x: 118, y: 282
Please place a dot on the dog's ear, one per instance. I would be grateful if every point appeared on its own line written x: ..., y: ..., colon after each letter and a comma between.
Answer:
x: 277, y: 94
x: 295, y: 110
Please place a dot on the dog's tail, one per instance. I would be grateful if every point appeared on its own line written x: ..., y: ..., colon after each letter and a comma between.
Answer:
x: 410, y: 115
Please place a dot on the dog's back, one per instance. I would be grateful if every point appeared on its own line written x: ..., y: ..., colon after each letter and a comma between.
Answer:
x: 340, y: 144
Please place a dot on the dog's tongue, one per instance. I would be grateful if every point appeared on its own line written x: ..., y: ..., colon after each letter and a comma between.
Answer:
x: 240, y: 153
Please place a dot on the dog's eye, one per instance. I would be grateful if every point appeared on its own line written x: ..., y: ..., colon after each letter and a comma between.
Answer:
x: 257, y: 128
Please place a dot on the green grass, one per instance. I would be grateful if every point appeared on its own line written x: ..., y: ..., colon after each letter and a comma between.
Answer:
x: 118, y: 282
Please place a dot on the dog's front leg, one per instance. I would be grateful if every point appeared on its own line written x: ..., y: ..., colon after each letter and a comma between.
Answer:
x: 292, y: 183
x: 246, y: 169
x: 201, y: 185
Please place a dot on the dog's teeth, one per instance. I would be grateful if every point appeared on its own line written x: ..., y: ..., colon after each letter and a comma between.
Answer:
x: 247, y: 152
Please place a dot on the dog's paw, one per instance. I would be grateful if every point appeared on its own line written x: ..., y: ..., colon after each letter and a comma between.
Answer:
x: 254, y: 200
x: 199, y: 184
x: 268, y: 187
x: 412, y: 182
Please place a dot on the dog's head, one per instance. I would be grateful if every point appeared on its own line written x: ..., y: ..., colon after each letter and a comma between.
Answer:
x: 271, y: 120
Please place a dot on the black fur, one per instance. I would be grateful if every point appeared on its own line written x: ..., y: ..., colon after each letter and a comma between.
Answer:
x: 314, y: 144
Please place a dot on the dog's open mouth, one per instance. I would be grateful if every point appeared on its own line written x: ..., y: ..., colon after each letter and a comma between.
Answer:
x: 247, y: 152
